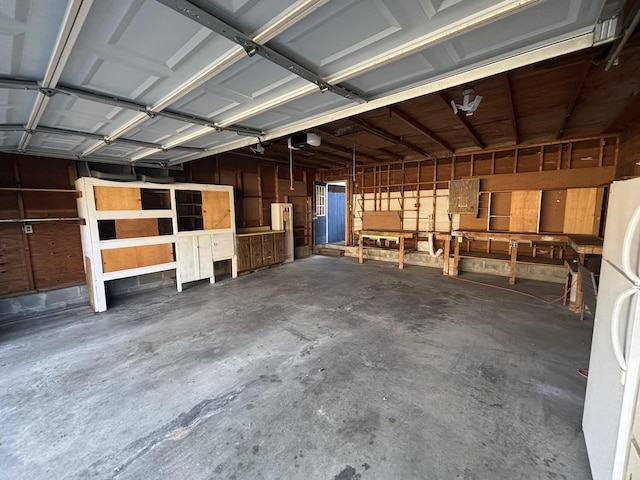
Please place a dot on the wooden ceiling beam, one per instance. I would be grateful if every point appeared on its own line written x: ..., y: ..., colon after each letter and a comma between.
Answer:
x: 413, y: 123
x: 512, y: 109
x: 627, y: 115
x: 347, y: 151
x: 577, y: 89
x: 462, y: 120
x: 387, y: 136
x: 267, y: 159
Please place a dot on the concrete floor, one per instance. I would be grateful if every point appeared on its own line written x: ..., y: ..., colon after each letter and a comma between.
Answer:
x: 321, y: 369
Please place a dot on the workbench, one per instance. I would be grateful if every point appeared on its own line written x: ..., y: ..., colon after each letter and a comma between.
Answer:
x: 513, y: 238
x: 397, y: 236
x: 583, y: 245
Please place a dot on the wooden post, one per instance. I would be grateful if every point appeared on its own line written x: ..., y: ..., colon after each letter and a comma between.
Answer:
x: 447, y: 252
x: 25, y: 237
x: 512, y: 262
x: 418, y: 197
x: 456, y: 255
x: 360, y: 247
x: 401, y: 254
x: 260, y: 204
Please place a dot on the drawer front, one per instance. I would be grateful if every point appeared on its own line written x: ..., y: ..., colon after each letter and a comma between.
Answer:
x: 223, y: 245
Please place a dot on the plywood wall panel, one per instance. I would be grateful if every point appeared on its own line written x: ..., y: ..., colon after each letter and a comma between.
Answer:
x: 216, y: 210
x: 117, y: 198
x: 56, y: 255
x: 14, y: 277
x: 524, y: 211
x: 136, y: 227
x: 381, y: 221
x: 126, y: 258
x: 581, y: 211
x: 552, y: 211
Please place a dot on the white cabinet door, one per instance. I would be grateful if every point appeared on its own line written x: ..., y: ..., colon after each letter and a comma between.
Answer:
x: 195, y: 257
x: 223, y: 245
x: 187, y: 259
x: 205, y: 256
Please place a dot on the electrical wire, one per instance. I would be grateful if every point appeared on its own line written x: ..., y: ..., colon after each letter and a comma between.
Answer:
x: 291, y: 169
x: 567, y: 290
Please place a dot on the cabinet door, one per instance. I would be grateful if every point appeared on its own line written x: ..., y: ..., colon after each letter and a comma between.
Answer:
x: 278, y: 247
x: 194, y: 256
x: 256, y: 251
x: 186, y: 257
x: 268, y: 255
x: 223, y: 245
x: 205, y: 256
x: 244, y: 252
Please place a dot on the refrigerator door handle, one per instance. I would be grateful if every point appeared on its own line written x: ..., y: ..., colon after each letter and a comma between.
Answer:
x: 626, y: 247
x: 615, y: 327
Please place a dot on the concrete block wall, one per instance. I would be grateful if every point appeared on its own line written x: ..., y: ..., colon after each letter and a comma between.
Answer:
x: 23, y: 306
x: 545, y: 273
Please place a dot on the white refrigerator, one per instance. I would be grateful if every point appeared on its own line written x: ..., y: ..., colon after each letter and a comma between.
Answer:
x: 612, y: 384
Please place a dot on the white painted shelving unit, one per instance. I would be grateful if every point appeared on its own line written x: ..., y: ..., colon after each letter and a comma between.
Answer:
x: 136, y: 228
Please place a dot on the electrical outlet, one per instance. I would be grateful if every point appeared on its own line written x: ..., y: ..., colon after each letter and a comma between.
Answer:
x: 27, y: 228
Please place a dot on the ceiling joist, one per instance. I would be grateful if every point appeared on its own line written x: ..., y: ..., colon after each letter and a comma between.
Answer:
x: 512, y: 109
x: 387, y: 136
x: 580, y: 80
x: 413, y: 123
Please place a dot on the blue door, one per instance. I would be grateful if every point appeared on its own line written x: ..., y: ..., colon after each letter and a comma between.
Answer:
x: 336, y: 202
x: 319, y: 213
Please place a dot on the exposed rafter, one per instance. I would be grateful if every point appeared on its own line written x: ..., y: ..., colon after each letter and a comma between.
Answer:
x: 580, y: 79
x: 413, y: 123
x: 512, y: 109
x: 389, y: 137
x: 462, y: 120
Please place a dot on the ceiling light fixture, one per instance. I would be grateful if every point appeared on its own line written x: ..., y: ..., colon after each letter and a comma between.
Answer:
x: 469, y: 103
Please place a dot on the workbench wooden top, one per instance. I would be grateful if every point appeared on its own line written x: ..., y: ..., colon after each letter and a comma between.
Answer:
x: 388, y: 233
x: 587, y: 244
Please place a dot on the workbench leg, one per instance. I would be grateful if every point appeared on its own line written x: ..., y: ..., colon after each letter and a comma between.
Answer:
x: 401, y: 254
x: 456, y: 256
x: 447, y: 252
x: 360, y: 242
x: 512, y: 263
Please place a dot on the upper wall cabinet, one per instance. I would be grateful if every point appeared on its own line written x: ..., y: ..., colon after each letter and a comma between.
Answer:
x: 136, y: 228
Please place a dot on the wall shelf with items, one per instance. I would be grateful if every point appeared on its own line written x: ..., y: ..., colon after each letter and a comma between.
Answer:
x: 136, y: 228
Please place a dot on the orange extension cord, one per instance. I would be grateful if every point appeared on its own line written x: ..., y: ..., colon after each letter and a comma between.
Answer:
x: 583, y: 372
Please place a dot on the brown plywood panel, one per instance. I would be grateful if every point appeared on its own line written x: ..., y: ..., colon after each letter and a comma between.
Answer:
x: 552, y: 211
x: 525, y: 210
x: 580, y: 211
x: 278, y: 247
x: 216, y: 210
x: 117, y: 198
x: 14, y: 276
x: 154, y: 254
x: 268, y: 249
x: 381, y: 221
x: 549, y: 180
x: 256, y: 251
x: 136, y: 227
x: 133, y: 257
x: 463, y: 196
x: 56, y: 255
x: 479, y: 221
x: 243, y: 250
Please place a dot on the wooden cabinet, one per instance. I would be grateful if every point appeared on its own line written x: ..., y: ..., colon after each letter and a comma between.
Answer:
x: 259, y: 249
x: 134, y: 228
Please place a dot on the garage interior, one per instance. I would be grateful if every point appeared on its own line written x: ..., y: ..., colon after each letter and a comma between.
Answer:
x: 174, y: 302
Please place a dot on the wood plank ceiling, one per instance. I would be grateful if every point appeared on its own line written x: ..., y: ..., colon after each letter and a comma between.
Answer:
x: 568, y: 97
